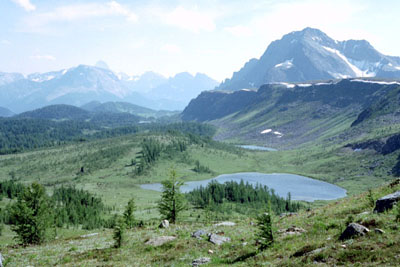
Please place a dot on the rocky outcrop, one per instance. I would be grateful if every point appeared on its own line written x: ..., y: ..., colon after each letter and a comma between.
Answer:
x: 160, y: 240
x: 218, y: 239
x: 200, y: 261
x: 353, y: 230
x: 199, y: 233
x: 293, y: 230
x: 387, y: 202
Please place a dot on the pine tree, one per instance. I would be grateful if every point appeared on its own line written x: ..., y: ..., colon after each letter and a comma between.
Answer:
x: 265, y: 235
x: 172, y: 200
x: 119, y: 232
x: 32, y: 214
x: 129, y: 216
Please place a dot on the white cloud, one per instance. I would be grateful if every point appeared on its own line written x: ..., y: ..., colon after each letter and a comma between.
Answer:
x: 37, y: 21
x: 189, y: 19
x: 25, y: 4
x: 284, y: 17
x: 240, y: 31
x: 171, y: 48
x: 43, y: 57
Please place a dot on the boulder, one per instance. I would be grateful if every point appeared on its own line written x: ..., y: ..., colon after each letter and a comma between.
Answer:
x: 379, y: 231
x: 352, y: 230
x: 160, y: 240
x: 199, y: 233
x: 164, y: 224
x: 201, y: 261
x: 217, y: 239
x: 387, y: 202
x: 225, y: 224
x: 293, y: 230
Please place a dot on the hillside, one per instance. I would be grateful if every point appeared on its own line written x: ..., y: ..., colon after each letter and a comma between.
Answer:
x: 306, y: 237
x: 309, y: 55
x: 125, y: 107
x: 289, y: 115
x: 57, y: 112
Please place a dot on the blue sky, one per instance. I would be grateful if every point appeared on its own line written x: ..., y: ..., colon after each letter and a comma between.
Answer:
x: 215, y: 37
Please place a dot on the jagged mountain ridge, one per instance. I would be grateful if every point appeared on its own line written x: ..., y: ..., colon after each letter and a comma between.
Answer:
x: 82, y: 84
x: 310, y: 55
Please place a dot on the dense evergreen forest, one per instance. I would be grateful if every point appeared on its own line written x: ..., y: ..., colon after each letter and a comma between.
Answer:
x: 17, y: 135
x: 68, y: 206
x: 245, y: 197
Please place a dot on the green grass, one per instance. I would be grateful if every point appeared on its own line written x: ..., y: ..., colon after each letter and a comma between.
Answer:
x: 323, y: 227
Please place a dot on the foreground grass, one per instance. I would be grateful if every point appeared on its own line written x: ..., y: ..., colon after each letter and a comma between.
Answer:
x: 323, y: 227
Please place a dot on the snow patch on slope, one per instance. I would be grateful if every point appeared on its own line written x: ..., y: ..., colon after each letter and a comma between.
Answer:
x: 376, y: 82
x: 358, y: 72
x: 287, y: 64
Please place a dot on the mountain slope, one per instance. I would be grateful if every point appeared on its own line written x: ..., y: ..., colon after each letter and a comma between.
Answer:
x: 5, y: 112
x: 312, y: 55
x: 287, y: 115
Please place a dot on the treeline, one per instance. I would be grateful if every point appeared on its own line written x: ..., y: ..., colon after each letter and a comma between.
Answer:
x: 70, y: 206
x: 17, y: 135
x: 216, y: 196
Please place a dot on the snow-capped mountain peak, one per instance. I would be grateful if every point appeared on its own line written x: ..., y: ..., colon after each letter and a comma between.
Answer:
x: 310, y: 55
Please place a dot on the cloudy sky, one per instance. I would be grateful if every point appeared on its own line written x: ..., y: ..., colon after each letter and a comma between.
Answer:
x: 215, y: 37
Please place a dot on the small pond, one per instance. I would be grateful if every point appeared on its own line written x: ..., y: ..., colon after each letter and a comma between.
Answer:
x: 300, y: 187
x: 261, y: 148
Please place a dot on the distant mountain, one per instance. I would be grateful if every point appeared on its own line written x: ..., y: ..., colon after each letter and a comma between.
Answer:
x: 183, y: 87
x: 312, y: 55
x: 5, y: 112
x: 57, y: 112
x: 291, y: 114
x: 6, y: 78
x: 102, y: 64
x: 124, y: 107
x: 83, y: 84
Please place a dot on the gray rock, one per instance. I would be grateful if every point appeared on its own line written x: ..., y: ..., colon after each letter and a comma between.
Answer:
x: 379, y: 231
x: 225, y: 224
x: 352, y: 230
x: 199, y: 233
x: 1, y: 260
x: 160, y: 240
x: 218, y: 239
x: 164, y: 224
x: 293, y: 230
x: 387, y: 202
x: 201, y: 261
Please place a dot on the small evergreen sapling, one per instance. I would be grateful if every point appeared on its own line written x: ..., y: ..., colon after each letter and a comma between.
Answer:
x: 172, y: 200
x: 32, y: 214
x: 119, y: 232
x: 129, y: 216
x: 265, y: 235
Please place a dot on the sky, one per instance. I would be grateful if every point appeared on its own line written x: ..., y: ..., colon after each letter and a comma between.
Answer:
x: 215, y: 37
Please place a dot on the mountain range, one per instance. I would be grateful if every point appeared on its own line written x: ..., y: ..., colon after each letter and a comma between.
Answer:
x: 311, y: 55
x: 82, y: 84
